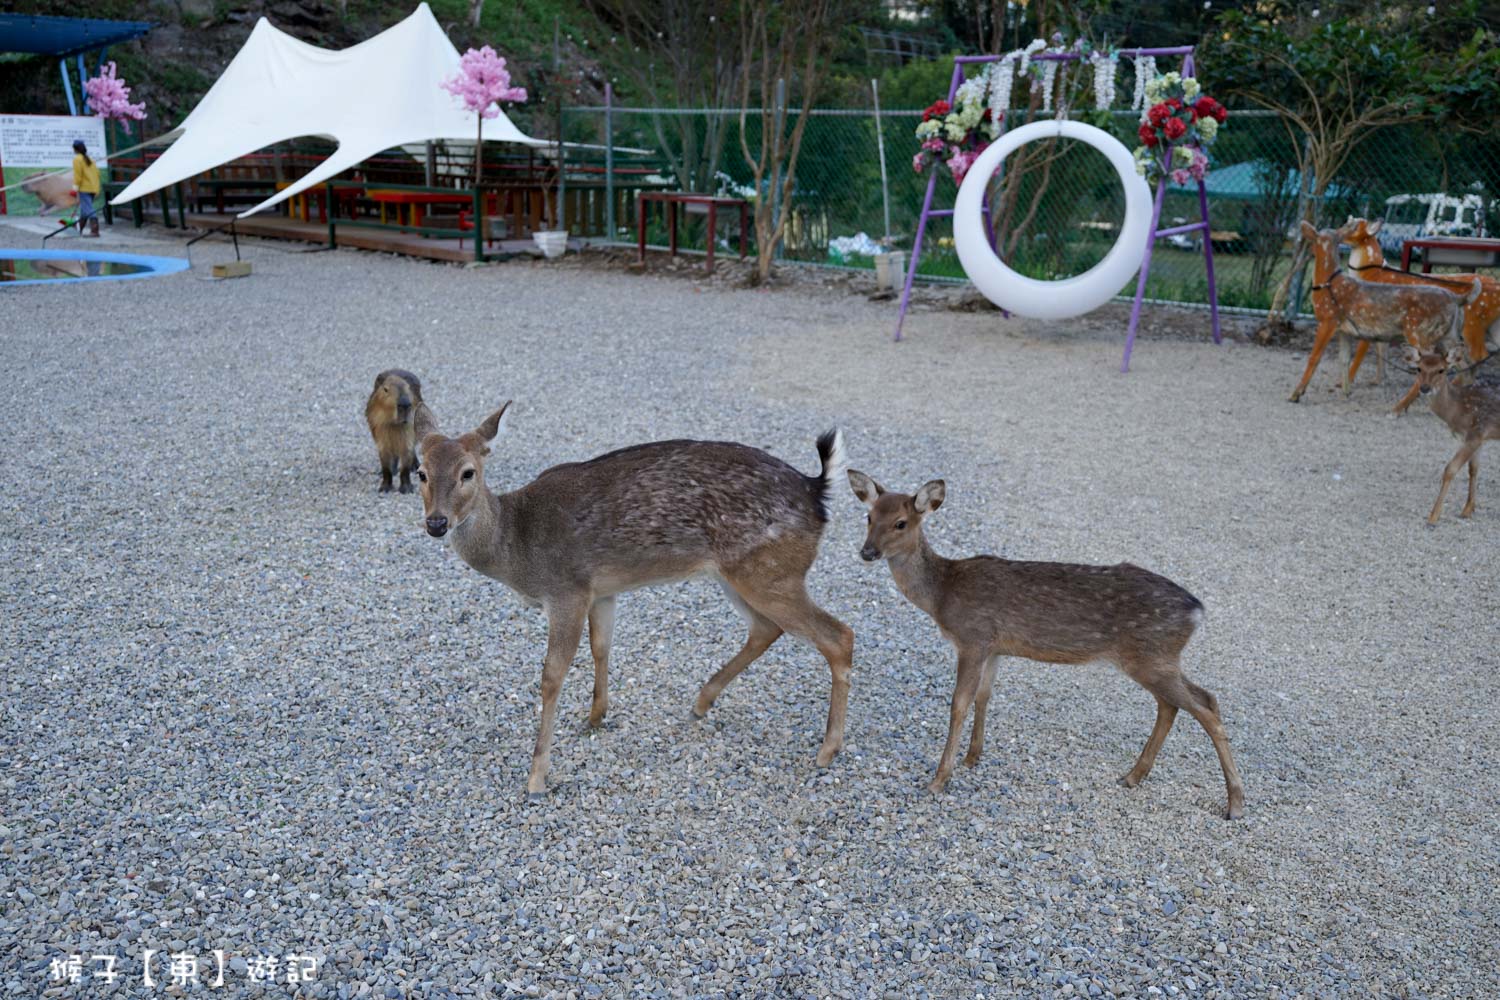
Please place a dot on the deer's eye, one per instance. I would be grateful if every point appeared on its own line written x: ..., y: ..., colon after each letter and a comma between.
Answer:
x: 900, y: 525
x: 468, y: 475
x: 867, y: 518
x: 422, y: 475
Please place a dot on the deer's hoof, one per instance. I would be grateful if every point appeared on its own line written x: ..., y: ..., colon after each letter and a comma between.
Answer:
x: 936, y: 785
x: 971, y: 760
x: 697, y: 715
x: 1128, y: 780
x: 827, y: 753
x: 536, y: 796
x: 1236, y: 810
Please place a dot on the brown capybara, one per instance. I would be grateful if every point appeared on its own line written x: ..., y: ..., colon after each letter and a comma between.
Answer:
x: 398, y: 419
x: 52, y: 191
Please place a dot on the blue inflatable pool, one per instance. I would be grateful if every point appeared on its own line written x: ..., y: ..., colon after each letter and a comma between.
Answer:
x: 52, y: 267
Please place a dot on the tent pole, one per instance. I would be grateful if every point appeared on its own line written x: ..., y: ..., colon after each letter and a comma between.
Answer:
x: 62, y: 64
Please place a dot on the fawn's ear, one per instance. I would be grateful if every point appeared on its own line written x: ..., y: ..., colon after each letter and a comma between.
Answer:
x: 1309, y: 230
x: 1371, y: 228
x: 490, y: 428
x: 1456, y: 357
x: 930, y: 497
x: 1412, y: 355
x: 864, y: 487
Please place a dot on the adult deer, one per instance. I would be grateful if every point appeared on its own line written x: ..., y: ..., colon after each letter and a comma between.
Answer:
x: 989, y: 607
x: 1422, y: 314
x: 1472, y: 413
x: 1481, y: 325
x: 581, y: 533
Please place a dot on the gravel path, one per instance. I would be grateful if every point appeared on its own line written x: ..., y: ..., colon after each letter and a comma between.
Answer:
x: 250, y: 706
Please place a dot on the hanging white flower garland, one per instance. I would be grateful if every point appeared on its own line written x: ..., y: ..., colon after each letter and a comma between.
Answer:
x: 1105, y: 67
x: 1145, y: 72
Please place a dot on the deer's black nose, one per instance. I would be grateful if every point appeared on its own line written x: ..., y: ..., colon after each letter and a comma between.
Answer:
x: 869, y: 553
x: 437, y: 527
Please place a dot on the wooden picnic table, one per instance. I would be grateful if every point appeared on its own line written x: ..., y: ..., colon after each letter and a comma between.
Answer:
x: 674, y: 198
x: 1467, y: 252
x: 414, y: 200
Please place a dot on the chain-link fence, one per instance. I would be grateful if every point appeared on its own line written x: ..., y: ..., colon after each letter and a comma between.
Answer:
x: 1058, y: 205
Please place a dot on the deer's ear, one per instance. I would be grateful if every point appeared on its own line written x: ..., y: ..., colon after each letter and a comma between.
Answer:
x: 1412, y: 355
x: 1456, y: 357
x: 1371, y: 228
x: 930, y: 497
x: 490, y: 428
x: 1309, y: 230
x: 867, y: 489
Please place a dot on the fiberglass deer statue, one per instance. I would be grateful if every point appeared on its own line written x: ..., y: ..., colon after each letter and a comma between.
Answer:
x: 989, y: 607
x: 581, y: 533
x: 1481, y: 325
x: 1425, y: 315
x: 1472, y: 413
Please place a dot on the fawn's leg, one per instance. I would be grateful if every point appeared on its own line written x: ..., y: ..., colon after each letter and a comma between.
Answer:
x: 786, y: 603
x: 564, y: 631
x: 1166, y: 714
x: 1320, y: 341
x: 981, y: 705
x: 601, y: 631
x: 970, y: 671
x: 763, y: 632
x: 1473, y: 483
x: 1204, y: 707
x: 1345, y: 372
x: 1450, y: 470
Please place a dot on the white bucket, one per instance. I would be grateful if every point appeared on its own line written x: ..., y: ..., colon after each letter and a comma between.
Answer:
x: 890, y: 270
x: 552, y: 242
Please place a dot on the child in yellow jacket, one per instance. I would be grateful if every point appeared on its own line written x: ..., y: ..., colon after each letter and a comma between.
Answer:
x: 86, y: 180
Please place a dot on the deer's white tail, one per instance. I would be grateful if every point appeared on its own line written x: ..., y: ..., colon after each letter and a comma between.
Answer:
x: 835, y: 464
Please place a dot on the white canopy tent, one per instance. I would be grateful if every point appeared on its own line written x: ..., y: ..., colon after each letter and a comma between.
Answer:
x: 381, y: 93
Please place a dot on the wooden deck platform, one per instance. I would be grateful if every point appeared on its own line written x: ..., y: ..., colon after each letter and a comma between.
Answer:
x: 279, y: 227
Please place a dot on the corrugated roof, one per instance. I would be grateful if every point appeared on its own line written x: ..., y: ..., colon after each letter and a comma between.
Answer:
x: 64, y: 36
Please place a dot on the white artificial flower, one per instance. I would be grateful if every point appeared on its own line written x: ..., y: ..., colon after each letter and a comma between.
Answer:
x: 1208, y: 128
x: 1182, y: 156
x: 1190, y: 89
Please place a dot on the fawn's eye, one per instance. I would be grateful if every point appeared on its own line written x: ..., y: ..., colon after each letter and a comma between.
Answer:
x: 867, y: 518
x: 422, y: 475
x: 900, y: 525
x: 468, y: 475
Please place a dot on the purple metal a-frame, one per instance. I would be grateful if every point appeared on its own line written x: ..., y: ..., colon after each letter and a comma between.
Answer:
x: 928, y: 212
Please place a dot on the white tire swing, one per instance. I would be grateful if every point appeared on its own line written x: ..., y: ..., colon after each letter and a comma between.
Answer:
x: 1069, y: 296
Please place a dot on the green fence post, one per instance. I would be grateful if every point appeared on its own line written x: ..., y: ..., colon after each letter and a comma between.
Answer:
x: 478, y: 224
x: 181, y: 206
x: 330, y: 205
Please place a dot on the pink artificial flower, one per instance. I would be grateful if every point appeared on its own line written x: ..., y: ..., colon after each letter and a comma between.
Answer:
x: 109, y: 98
x: 483, y: 82
x: 917, y: 163
x: 1179, y: 177
x: 934, y: 145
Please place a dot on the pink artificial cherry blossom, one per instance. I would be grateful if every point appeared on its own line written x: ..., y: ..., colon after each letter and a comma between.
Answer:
x: 482, y: 82
x: 109, y: 97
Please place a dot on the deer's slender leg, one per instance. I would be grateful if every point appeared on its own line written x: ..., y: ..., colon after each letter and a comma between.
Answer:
x: 981, y: 706
x: 1345, y: 372
x: 1450, y: 470
x: 1204, y: 707
x: 601, y: 632
x: 970, y: 671
x: 763, y: 632
x: 1360, y: 350
x: 1320, y: 341
x: 1166, y: 714
x: 785, y: 602
x: 1473, y: 484
x: 564, y: 631
x: 1409, y: 398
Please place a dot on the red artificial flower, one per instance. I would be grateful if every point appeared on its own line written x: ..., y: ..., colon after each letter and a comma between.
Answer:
x: 1175, y: 128
x: 1220, y: 112
x: 1148, y: 136
x: 939, y: 109
x: 1158, y: 115
x: 1174, y: 104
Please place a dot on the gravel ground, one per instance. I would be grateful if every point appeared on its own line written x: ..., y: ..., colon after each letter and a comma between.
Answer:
x: 249, y: 705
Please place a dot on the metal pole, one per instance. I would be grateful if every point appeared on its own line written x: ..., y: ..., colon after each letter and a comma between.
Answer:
x: 430, y: 167
x: 885, y: 188
x: 916, y: 247
x: 609, y: 163
x: 331, y: 205
x: 62, y: 64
